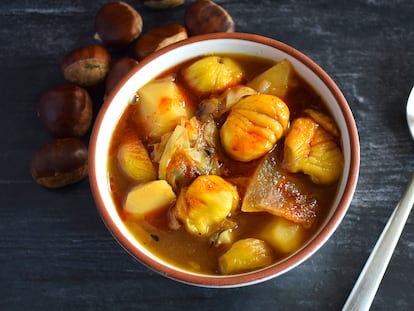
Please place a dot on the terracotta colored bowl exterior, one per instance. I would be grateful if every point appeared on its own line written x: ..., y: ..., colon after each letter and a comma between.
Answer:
x: 170, y: 56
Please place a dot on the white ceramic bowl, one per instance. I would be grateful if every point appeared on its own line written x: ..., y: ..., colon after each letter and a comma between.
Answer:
x: 175, y: 54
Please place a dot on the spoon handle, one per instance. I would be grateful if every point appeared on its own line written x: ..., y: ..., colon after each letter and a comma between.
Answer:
x: 365, y: 288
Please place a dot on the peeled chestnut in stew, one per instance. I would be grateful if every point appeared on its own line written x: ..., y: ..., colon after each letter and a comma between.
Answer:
x: 60, y: 163
x: 66, y: 110
x: 117, y: 24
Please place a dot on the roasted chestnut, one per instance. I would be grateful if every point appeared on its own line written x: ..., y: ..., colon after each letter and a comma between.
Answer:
x: 162, y: 4
x: 66, y: 110
x: 205, y: 16
x: 60, y: 163
x: 117, y: 24
x: 87, y: 65
x: 118, y: 70
x: 159, y: 38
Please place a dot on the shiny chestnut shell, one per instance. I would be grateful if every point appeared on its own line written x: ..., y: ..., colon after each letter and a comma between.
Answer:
x: 205, y: 16
x: 86, y: 66
x: 162, y: 4
x: 60, y: 162
x: 158, y: 38
x: 66, y: 110
x: 117, y: 24
x: 118, y: 70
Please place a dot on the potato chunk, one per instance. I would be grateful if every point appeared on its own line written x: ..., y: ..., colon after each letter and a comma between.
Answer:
x: 282, y: 234
x: 246, y: 255
x: 253, y: 126
x: 134, y: 160
x: 310, y: 149
x: 276, y: 80
x: 205, y: 204
x: 148, y: 198
x: 212, y: 74
x: 161, y: 107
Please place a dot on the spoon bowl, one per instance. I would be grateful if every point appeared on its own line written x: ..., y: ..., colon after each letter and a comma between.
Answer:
x: 410, y: 112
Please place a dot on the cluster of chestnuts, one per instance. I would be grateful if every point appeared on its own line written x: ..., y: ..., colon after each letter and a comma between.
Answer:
x: 66, y: 110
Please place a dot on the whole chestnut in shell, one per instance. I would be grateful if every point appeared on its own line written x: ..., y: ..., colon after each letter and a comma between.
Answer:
x: 117, y: 24
x: 158, y: 38
x: 206, y: 16
x: 66, y: 110
x: 162, y: 4
x: 60, y: 163
x: 86, y: 66
x: 118, y: 70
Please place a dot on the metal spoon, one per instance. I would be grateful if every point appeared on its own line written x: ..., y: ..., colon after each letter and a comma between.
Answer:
x: 366, y: 286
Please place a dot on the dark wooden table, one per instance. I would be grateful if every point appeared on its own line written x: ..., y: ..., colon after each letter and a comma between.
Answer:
x: 56, y: 253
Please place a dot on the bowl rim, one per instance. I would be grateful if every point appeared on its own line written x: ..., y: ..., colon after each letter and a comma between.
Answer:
x: 258, y: 275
